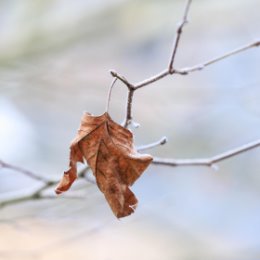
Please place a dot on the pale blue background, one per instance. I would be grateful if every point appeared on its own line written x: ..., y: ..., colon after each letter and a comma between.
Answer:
x: 55, y: 57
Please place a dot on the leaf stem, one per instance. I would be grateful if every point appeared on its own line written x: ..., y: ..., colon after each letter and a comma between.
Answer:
x: 109, y: 93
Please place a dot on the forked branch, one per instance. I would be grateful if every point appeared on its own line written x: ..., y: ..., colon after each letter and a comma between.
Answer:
x: 184, y: 71
x: 38, y: 194
x: 162, y: 141
x: 170, y: 70
x: 178, y: 36
x: 25, y: 172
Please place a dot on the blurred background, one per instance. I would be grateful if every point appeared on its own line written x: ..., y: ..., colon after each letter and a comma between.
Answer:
x: 55, y: 58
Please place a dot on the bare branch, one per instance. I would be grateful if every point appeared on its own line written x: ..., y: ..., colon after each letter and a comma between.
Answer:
x: 62, y: 197
x: 162, y: 141
x: 122, y: 78
x: 132, y: 87
x: 25, y: 172
x: 21, y: 199
x: 36, y: 195
x: 170, y: 70
x: 184, y: 71
x: 187, y: 70
x: 128, y: 118
x: 152, y: 79
x: 15, y: 201
x: 208, y: 161
x: 178, y: 36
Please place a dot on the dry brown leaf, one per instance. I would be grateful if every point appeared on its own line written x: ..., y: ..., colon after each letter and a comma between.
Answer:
x: 109, y: 151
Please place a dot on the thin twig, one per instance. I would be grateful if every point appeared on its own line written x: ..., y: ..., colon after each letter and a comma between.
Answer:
x: 201, y: 66
x: 37, y: 194
x: 25, y: 198
x: 171, y: 70
x: 185, y: 71
x: 178, y: 36
x: 152, y: 79
x: 207, y: 161
x: 163, y: 74
x: 24, y: 171
x: 54, y: 197
x: 15, y: 201
x: 132, y: 87
x: 122, y: 78
x: 162, y: 141
x: 128, y: 117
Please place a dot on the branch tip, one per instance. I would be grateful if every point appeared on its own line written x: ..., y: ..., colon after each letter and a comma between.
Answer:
x: 113, y: 73
x: 185, y: 71
x: 182, y: 23
x: 164, y: 140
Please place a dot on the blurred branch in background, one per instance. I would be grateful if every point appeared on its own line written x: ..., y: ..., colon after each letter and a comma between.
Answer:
x: 38, y: 193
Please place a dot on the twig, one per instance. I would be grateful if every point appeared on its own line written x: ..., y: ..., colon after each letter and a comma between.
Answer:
x: 50, y: 197
x: 132, y: 87
x: 162, y: 141
x: 185, y: 71
x: 170, y: 70
x: 25, y: 198
x: 122, y: 78
x: 178, y: 36
x: 36, y: 195
x: 25, y: 172
x: 152, y: 79
x: 208, y: 161
x: 15, y: 201
x: 128, y: 118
